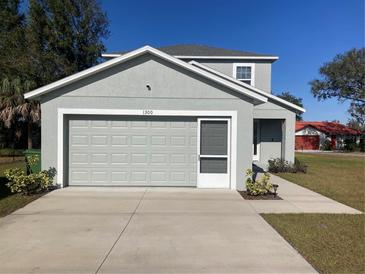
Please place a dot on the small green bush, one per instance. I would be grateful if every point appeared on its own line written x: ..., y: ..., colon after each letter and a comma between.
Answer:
x: 259, y: 187
x: 280, y: 165
x: 34, y: 183
x: 326, y: 145
x: 299, y: 166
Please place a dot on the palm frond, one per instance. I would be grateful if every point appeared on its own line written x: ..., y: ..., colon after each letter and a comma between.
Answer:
x: 13, y: 105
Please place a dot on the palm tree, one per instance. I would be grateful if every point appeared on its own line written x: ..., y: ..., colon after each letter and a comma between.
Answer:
x: 14, y: 108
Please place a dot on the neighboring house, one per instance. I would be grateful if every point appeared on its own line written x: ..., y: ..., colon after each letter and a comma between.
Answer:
x: 312, y: 135
x: 183, y: 115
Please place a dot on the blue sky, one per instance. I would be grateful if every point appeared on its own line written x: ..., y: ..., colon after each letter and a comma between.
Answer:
x: 304, y: 34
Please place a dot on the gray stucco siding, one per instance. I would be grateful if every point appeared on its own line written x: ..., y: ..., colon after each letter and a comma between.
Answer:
x: 129, y: 80
x: 124, y: 87
x: 262, y: 70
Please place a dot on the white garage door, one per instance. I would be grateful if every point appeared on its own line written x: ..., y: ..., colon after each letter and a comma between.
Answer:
x: 107, y: 150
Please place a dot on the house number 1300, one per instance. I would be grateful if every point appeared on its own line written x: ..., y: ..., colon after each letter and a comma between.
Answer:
x: 147, y: 112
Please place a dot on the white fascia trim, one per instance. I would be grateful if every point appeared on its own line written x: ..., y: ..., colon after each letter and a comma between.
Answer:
x: 61, y: 112
x: 146, y: 49
x: 111, y: 55
x: 264, y: 93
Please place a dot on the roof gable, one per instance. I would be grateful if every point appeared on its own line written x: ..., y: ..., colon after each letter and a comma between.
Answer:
x: 257, y: 98
x: 259, y: 91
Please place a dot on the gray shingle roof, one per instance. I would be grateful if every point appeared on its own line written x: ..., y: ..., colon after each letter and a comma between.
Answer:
x: 201, y: 50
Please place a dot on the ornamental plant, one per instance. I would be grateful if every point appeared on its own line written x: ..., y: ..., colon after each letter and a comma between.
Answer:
x: 258, y: 187
x: 33, y: 159
x: 33, y: 183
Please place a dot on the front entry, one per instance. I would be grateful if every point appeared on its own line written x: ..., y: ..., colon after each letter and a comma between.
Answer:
x: 214, y: 153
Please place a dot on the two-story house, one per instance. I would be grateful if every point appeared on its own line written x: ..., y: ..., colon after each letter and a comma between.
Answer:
x: 184, y: 115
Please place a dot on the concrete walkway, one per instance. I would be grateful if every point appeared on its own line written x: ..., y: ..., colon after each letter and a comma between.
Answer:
x: 297, y: 199
x: 129, y: 230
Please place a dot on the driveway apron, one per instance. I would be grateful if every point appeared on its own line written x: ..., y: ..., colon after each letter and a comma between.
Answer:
x: 143, y: 230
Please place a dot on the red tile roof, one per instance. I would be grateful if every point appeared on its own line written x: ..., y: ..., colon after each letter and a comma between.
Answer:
x: 328, y: 127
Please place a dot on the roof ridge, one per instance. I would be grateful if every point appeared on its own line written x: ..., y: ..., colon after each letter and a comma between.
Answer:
x: 190, y: 49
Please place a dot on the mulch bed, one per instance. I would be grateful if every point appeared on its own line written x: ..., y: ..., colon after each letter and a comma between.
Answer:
x: 259, y: 197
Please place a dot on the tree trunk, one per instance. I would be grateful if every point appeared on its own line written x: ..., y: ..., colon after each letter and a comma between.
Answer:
x: 30, y: 135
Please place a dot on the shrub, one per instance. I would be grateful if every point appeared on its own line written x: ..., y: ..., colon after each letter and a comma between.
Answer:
x: 259, y: 187
x: 299, y: 166
x: 326, y: 145
x: 280, y: 165
x: 362, y: 145
x: 350, y: 145
x: 19, y: 182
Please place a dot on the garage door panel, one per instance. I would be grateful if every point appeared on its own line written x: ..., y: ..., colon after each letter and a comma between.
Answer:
x: 119, y: 124
x: 158, y: 140
x: 139, y: 140
x: 159, y: 176
x: 158, y: 159
x: 119, y: 158
x: 158, y: 124
x: 79, y: 176
x: 80, y: 158
x: 79, y: 140
x: 99, y: 177
x: 119, y: 140
x: 127, y: 152
x: 100, y: 124
x: 79, y: 124
x: 99, y: 140
x: 119, y: 177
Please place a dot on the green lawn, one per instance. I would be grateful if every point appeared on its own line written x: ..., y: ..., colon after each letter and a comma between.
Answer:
x: 339, y: 177
x: 11, y: 202
x: 332, y: 243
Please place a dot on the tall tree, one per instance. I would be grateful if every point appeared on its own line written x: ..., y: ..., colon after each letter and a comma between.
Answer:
x: 14, y: 65
x: 352, y: 123
x: 65, y: 36
x: 12, y: 40
x: 14, y: 109
x: 56, y: 39
x: 287, y: 96
x: 344, y: 78
x: 43, y: 68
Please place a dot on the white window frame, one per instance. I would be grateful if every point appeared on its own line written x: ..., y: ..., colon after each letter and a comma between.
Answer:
x: 252, y: 65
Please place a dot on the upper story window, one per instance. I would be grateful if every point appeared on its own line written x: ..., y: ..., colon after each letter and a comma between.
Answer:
x: 244, y: 72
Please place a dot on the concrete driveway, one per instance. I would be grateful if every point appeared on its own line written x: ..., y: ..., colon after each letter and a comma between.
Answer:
x: 159, y: 230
